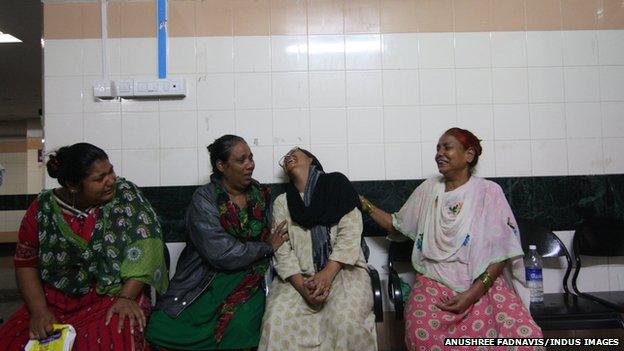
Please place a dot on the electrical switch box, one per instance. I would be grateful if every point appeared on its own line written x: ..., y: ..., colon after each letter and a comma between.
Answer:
x: 103, y: 89
x: 160, y: 87
x: 138, y: 88
x: 124, y: 88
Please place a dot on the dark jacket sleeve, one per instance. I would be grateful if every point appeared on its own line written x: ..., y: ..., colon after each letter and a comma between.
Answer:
x: 220, y: 249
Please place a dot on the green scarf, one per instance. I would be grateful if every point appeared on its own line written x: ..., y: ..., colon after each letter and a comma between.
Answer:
x: 126, y: 244
x: 249, y: 224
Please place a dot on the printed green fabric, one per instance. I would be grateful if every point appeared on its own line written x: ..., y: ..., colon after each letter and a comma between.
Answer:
x: 228, y: 313
x: 194, y: 328
x: 126, y: 244
x: 246, y: 225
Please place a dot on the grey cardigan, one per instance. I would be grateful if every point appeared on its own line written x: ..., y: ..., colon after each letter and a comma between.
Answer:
x: 209, y: 249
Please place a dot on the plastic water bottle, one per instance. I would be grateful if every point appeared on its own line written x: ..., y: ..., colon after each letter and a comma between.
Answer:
x: 533, y: 266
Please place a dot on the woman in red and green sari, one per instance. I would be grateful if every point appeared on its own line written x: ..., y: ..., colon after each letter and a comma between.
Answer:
x: 84, y: 254
x: 215, y: 300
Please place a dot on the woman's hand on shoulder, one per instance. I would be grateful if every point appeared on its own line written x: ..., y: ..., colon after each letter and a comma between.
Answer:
x: 41, y: 324
x: 125, y: 307
x: 459, y: 303
x: 278, y: 235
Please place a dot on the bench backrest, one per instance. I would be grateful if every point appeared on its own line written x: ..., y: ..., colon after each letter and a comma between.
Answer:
x: 596, y: 236
x: 599, y: 236
x: 548, y: 244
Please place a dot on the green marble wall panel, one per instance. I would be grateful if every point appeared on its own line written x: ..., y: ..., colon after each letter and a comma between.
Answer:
x: 559, y: 203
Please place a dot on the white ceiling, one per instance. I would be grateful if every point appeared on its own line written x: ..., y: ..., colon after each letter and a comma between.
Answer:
x: 20, y: 63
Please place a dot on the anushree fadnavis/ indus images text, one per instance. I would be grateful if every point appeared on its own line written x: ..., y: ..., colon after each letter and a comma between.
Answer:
x: 531, y: 342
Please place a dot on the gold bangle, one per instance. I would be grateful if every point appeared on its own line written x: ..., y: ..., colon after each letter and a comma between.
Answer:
x: 487, y: 280
x: 367, y: 206
x: 120, y: 296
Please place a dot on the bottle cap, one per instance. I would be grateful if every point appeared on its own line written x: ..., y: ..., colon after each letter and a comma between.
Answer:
x: 532, y: 247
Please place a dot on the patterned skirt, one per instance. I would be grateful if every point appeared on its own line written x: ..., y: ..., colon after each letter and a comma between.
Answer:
x: 87, y: 315
x: 498, y: 314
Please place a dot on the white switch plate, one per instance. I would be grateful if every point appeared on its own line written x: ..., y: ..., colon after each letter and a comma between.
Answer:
x: 103, y: 89
x: 124, y: 88
x: 129, y: 88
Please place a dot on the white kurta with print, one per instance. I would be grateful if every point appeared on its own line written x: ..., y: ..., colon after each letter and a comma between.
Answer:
x: 346, y: 320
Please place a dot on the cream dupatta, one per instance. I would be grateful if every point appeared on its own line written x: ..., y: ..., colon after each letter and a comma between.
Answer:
x: 459, y: 233
x: 447, y: 224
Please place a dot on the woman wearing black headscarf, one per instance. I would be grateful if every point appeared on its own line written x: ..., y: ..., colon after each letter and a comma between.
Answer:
x: 321, y: 298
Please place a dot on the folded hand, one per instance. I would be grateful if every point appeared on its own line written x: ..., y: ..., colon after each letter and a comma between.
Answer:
x: 312, y: 294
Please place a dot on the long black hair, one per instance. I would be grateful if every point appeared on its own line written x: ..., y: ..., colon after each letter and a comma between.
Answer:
x: 71, y: 164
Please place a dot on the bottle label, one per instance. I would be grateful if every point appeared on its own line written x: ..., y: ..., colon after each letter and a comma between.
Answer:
x: 533, y: 274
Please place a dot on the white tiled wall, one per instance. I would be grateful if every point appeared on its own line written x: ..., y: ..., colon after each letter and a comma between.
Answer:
x: 15, y: 180
x: 34, y: 172
x: 10, y: 220
x: 371, y: 106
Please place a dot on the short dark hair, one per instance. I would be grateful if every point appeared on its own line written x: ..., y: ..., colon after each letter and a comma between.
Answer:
x: 468, y: 140
x: 72, y: 163
x: 220, y: 150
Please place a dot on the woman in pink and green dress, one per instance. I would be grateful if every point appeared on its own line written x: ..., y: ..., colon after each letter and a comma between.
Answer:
x: 467, y: 252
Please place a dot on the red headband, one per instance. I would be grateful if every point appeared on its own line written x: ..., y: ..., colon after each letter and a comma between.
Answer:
x: 466, y: 138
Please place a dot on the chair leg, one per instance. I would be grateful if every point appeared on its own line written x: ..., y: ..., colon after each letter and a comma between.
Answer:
x: 396, y: 294
x: 377, y: 297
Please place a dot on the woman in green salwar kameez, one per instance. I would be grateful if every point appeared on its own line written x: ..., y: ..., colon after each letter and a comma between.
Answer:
x: 215, y: 300
x: 194, y: 329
